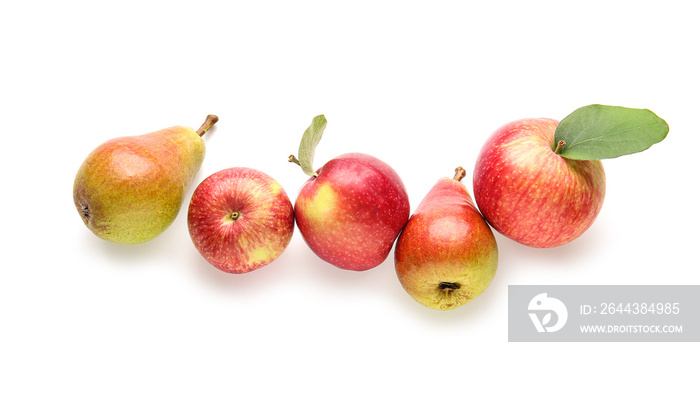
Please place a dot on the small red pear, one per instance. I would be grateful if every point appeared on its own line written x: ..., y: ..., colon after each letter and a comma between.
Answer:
x: 446, y: 256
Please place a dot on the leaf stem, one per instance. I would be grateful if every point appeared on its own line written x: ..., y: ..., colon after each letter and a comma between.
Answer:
x: 560, y: 144
x: 208, y: 123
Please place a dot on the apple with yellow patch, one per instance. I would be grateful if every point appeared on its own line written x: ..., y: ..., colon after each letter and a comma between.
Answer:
x: 240, y: 219
x: 351, y: 212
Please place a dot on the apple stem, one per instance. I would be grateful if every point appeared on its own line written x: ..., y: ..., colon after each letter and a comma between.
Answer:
x: 294, y: 160
x: 208, y: 123
x: 559, y: 146
x: 459, y: 173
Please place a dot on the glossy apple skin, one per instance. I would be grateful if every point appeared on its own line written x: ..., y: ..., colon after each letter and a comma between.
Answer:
x: 446, y: 241
x: 529, y: 193
x: 255, y: 236
x: 352, y: 212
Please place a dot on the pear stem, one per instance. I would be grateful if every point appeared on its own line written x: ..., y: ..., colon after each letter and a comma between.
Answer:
x: 459, y: 173
x: 559, y: 146
x: 208, y: 123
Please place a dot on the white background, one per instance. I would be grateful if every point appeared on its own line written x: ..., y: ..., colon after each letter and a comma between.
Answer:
x: 420, y: 85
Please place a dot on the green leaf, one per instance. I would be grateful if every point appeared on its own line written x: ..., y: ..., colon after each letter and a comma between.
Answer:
x: 595, y: 132
x: 307, y: 147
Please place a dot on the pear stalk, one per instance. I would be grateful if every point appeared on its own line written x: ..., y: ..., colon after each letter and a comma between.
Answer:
x: 208, y: 123
x: 459, y: 174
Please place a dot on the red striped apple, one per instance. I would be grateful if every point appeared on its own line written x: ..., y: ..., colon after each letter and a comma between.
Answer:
x: 240, y: 219
x: 531, y: 194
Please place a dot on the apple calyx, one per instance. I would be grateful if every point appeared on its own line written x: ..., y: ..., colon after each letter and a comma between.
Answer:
x: 208, y: 123
x: 233, y: 216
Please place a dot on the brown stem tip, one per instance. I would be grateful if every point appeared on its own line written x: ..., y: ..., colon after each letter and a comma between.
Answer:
x: 459, y: 173
x: 208, y: 123
x: 294, y: 160
x: 559, y: 146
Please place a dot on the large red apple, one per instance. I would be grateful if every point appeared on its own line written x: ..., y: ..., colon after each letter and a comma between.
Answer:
x: 240, y: 219
x: 351, y: 212
x: 531, y: 194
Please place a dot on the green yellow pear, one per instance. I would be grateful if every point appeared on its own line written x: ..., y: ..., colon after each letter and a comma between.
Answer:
x: 130, y: 189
